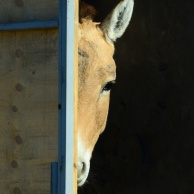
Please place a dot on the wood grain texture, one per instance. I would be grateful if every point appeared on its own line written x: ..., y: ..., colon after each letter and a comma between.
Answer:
x: 28, y: 10
x: 28, y: 110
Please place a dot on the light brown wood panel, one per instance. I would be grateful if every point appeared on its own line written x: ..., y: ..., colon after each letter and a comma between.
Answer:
x: 28, y: 10
x: 28, y: 110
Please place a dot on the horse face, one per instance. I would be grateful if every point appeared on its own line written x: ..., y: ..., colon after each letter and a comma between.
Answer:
x: 97, y: 74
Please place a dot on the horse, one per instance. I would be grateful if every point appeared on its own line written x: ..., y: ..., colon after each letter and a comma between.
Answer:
x: 96, y: 75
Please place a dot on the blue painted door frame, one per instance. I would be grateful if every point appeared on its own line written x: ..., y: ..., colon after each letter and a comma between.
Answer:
x: 66, y: 96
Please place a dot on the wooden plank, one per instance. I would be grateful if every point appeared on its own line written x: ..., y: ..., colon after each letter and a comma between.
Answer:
x: 28, y: 10
x: 76, y: 92
x: 28, y: 110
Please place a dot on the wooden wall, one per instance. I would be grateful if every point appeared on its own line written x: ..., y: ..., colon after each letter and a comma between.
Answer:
x: 28, y: 110
x: 28, y: 99
x: 28, y: 10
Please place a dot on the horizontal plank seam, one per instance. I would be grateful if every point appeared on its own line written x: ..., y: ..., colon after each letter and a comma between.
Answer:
x: 29, y: 25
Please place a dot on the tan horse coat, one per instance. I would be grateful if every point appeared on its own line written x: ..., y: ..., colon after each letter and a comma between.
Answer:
x: 97, y: 73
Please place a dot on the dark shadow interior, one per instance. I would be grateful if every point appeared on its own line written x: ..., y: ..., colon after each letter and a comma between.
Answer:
x: 148, y: 144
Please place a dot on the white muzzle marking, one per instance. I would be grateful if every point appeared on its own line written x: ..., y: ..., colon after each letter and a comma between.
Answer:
x: 83, y: 165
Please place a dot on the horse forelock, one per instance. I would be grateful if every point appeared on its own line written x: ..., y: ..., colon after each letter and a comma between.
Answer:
x: 86, y: 11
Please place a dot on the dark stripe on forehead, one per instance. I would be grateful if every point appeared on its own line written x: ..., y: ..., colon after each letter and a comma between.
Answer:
x: 83, y: 61
x: 82, y: 53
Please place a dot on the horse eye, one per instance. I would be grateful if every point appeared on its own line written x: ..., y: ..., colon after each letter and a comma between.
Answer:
x: 108, y: 86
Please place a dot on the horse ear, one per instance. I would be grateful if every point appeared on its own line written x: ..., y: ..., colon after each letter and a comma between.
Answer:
x: 117, y: 21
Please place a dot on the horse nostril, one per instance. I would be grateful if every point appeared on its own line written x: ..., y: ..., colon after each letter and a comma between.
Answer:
x: 82, y: 171
x: 83, y: 167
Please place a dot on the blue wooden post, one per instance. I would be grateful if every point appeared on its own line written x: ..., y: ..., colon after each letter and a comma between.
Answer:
x: 54, y: 178
x: 66, y: 96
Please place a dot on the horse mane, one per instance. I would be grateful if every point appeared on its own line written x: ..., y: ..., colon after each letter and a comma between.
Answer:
x: 86, y: 11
